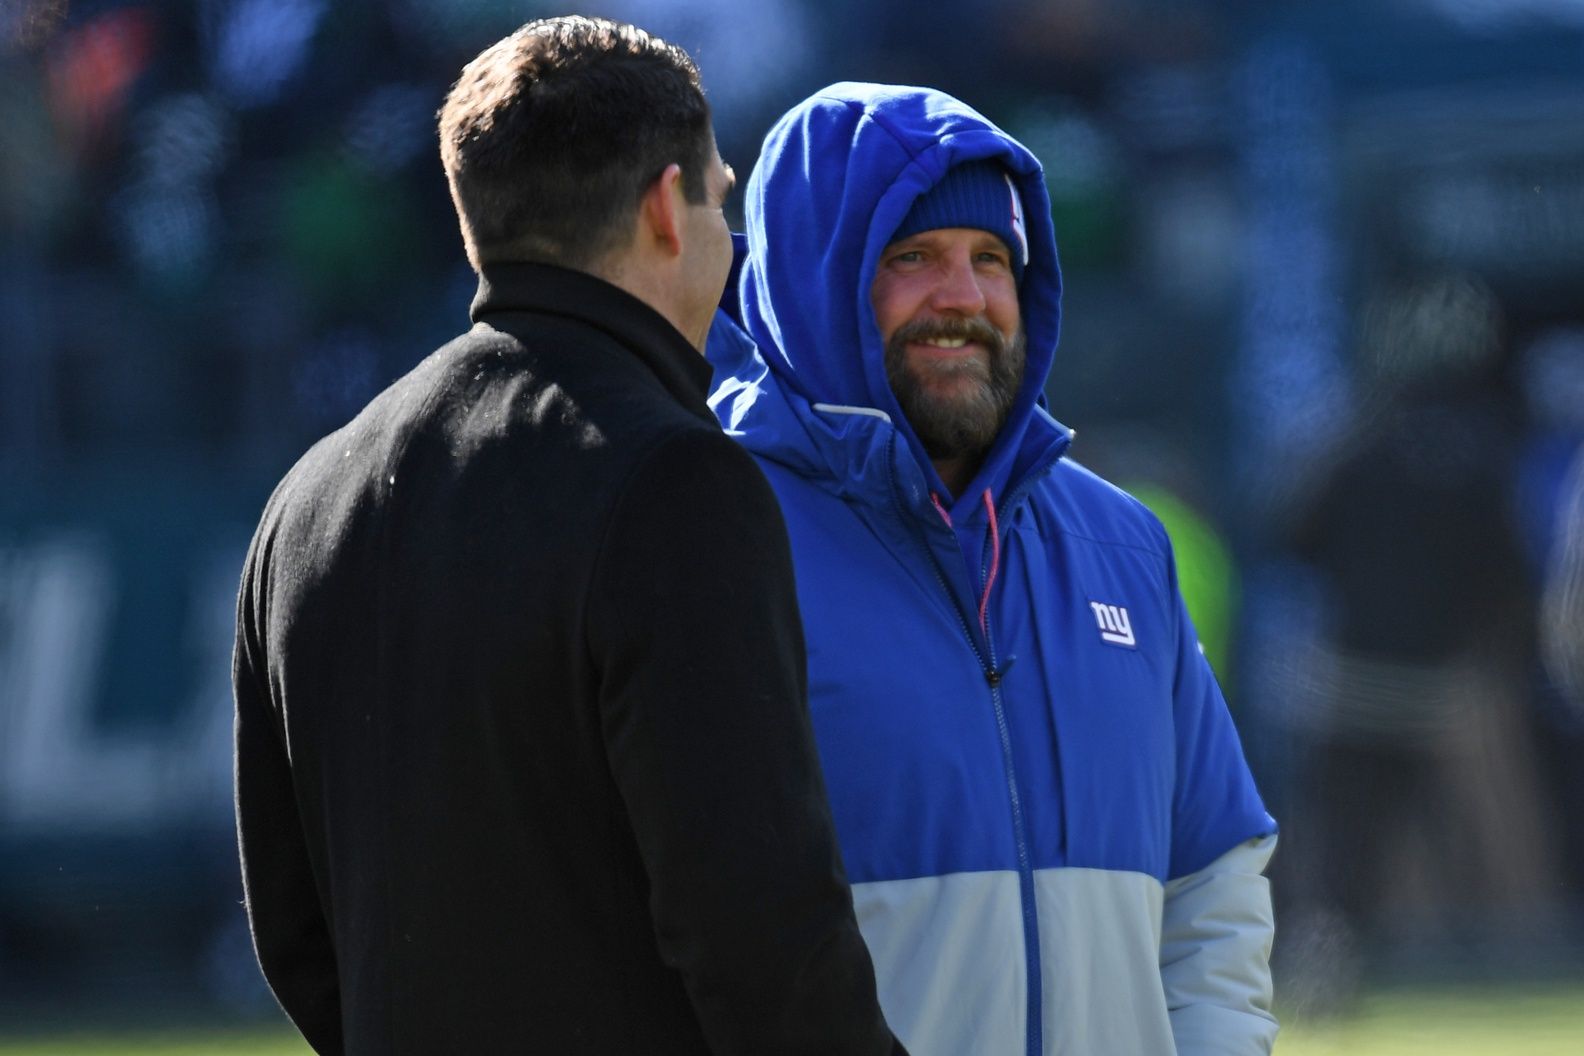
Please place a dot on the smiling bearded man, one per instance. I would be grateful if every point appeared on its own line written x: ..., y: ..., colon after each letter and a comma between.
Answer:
x: 1054, y: 840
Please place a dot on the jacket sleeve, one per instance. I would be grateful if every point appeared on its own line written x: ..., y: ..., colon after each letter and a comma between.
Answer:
x: 1216, y: 932
x: 1217, y: 924
x: 699, y: 650
x: 290, y: 933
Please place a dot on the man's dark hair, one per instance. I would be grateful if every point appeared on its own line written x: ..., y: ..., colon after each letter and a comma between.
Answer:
x: 550, y: 138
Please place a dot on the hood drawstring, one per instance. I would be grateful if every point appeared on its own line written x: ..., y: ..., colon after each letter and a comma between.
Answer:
x: 995, y: 564
x: 995, y: 554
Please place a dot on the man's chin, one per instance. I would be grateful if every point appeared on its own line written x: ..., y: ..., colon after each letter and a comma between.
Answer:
x: 972, y: 361
x: 953, y: 422
x: 965, y: 393
x: 962, y: 379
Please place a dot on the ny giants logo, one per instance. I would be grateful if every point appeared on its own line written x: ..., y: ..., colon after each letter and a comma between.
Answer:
x: 1114, y: 624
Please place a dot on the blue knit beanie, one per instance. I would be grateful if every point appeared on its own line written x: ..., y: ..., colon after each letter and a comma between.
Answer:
x: 977, y: 194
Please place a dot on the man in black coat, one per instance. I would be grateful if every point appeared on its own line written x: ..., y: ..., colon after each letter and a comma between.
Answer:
x: 523, y: 760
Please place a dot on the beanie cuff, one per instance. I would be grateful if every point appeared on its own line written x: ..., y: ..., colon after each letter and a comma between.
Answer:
x: 978, y: 194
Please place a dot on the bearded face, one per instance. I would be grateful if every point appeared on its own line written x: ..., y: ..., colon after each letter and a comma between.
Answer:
x: 946, y: 303
x: 956, y: 403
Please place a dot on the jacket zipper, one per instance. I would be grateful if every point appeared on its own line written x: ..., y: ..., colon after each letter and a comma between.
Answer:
x: 1031, y: 949
x: 1031, y: 955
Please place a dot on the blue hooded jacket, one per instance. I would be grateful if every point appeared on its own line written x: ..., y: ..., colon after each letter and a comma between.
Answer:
x: 1026, y: 753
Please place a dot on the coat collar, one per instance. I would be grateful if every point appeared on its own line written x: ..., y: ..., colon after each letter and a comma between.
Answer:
x: 508, y: 289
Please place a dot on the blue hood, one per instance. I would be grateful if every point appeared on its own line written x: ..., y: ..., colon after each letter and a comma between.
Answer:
x: 836, y: 176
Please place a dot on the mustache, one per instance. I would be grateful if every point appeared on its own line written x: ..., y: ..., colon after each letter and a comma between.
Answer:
x: 977, y: 330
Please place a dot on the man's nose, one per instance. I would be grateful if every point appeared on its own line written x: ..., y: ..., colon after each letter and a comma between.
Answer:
x: 958, y: 290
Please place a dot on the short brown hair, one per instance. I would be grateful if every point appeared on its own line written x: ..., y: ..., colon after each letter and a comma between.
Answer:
x: 550, y: 137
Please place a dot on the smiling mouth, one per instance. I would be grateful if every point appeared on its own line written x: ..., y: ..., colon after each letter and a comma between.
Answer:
x: 947, y: 344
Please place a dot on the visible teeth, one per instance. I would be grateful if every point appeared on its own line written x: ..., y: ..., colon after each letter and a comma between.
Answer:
x: 949, y: 342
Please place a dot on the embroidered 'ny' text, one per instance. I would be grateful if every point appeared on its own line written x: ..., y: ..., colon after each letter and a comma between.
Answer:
x: 1114, y: 623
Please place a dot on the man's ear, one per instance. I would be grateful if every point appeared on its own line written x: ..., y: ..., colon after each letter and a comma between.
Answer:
x: 660, y: 210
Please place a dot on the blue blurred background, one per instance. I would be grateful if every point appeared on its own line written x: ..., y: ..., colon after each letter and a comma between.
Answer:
x: 1324, y: 312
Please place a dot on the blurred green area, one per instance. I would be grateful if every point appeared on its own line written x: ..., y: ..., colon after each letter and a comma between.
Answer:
x: 161, y: 1043
x: 1454, y: 1021
x: 1509, y: 1021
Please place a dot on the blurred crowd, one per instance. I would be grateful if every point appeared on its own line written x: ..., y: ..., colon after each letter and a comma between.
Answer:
x: 1322, y: 314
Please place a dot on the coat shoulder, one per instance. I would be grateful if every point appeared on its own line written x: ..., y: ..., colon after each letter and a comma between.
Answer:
x: 1088, y: 506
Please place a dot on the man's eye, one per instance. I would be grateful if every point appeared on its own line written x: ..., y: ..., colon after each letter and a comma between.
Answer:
x: 912, y: 256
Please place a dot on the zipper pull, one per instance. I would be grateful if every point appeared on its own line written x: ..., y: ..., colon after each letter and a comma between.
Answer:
x: 995, y: 677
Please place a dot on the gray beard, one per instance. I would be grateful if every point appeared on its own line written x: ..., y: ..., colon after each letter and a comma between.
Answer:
x: 964, y: 424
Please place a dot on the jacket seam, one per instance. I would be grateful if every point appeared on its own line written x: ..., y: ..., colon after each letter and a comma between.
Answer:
x: 1111, y: 542
x: 864, y: 111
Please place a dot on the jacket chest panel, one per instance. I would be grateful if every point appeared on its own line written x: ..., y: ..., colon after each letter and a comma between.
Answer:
x: 1096, y: 644
x: 902, y: 711
x: 907, y: 721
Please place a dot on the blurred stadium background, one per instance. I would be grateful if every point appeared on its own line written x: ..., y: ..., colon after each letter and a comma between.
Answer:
x: 1324, y: 311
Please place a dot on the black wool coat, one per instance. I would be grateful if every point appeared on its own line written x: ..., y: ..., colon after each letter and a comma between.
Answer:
x: 523, y: 760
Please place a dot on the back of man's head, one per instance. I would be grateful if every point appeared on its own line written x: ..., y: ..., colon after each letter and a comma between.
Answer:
x: 550, y: 137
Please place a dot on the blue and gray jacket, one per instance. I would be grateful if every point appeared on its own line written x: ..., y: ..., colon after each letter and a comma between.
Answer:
x: 1054, y: 841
